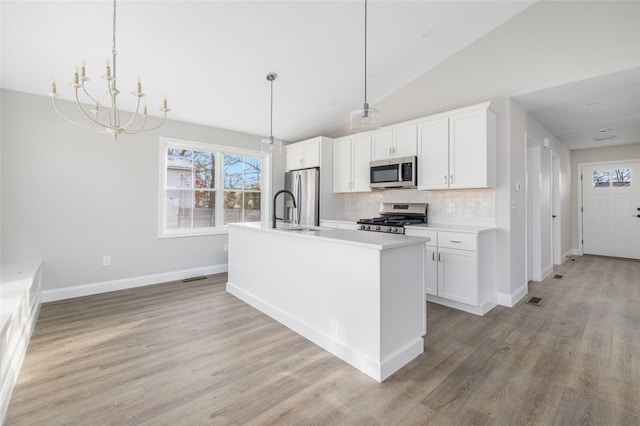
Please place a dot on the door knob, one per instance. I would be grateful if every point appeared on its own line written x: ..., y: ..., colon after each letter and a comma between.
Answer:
x: 553, y: 216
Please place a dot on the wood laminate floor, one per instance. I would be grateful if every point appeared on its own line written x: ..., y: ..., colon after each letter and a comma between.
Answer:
x: 189, y: 353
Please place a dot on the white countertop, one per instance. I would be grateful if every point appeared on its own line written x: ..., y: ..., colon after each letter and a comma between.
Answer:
x: 471, y: 229
x: 374, y: 240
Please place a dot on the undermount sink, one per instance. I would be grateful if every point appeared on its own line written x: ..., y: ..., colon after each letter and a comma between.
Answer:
x: 302, y: 229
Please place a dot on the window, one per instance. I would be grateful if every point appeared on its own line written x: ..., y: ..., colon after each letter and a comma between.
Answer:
x: 205, y: 187
x: 607, y: 178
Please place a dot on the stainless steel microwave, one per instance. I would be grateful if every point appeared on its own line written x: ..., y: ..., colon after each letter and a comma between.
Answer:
x: 394, y: 173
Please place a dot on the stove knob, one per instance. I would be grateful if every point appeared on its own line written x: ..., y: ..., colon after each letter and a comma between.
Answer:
x: 390, y: 229
x: 367, y: 227
x: 377, y: 228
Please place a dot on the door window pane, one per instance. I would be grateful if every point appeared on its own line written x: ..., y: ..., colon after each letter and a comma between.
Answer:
x: 621, y: 177
x: 601, y: 178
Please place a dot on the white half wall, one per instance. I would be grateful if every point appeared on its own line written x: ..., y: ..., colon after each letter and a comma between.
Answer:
x: 71, y: 195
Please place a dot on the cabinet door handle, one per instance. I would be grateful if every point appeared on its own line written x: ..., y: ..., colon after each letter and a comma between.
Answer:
x: 455, y: 241
x: 451, y: 178
x: 444, y: 180
x: 440, y: 256
x: 433, y: 256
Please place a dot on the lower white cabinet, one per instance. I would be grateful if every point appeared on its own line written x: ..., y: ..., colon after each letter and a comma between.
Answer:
x: 460, y: 269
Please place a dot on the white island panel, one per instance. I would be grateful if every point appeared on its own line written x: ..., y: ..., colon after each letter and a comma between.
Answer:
x: 358, y: 301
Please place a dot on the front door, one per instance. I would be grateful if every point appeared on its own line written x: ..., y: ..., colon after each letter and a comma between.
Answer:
x: 611, y: 209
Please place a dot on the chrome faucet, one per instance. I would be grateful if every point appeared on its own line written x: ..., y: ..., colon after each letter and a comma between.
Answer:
x: 293, y: 198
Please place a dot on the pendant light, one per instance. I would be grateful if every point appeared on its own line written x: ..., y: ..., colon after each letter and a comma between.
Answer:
x: 271, y: 145
x: 362, y: 120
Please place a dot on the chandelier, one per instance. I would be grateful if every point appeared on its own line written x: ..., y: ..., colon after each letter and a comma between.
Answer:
x: 106, y: 118
x: 365, y: 119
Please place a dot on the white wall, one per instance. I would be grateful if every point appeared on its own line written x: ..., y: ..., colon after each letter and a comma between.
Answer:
x: 614, y: 153
x: 71, y: 195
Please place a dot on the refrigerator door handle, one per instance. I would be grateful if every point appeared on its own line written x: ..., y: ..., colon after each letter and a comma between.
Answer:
x: 298, y: 197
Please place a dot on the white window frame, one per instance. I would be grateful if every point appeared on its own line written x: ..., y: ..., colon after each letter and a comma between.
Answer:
x: 220, y: 151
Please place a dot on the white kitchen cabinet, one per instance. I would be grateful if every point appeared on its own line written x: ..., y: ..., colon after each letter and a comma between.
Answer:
x: 351, y: 157
x: 392, y: 142
x: 460, y: 269
x: 456, y: 150
x: 303, y: 155
x: 433, y: 154
x: 457, y: 278
x: 431, y: 270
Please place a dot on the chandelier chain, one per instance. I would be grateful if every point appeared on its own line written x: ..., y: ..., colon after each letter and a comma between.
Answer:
x: 113, y: 50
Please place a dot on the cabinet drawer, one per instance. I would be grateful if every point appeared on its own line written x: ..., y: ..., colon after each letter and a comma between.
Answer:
x: 457, y: 240
x: 425, y: 234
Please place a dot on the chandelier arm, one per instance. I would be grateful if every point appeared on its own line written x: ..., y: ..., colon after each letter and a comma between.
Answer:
x: 55, y: 106
x: 133, y: 117
x: 138, y: 130
x: 98, y: 104
x: 155, y: 127
x: 97, y: 123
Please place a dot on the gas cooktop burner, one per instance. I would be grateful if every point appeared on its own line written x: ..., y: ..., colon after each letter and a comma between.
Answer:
x: 393, y: 222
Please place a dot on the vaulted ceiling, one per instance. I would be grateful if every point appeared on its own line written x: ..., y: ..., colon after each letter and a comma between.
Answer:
x: 211, y: 59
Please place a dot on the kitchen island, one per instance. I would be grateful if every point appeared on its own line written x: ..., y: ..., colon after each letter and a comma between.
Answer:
x: 358, y: 295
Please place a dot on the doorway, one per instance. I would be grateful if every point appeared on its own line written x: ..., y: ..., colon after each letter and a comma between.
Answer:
x: 556, y: 210
x: 611, y: 209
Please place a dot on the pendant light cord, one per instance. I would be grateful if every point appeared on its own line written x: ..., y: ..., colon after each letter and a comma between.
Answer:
x: 365, y: 54
x: 271, y: 123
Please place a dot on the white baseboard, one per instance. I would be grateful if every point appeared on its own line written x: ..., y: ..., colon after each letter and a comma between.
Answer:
x: 476, y: 310
x: 566, y: 256
x: 125, y: 283
x: 546, y: 272
x: 509, y: 300
x: 576, y: 252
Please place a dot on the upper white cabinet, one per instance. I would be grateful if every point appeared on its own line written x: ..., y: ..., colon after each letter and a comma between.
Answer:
x: 302, y: 155
x: 351, y: 157
x: 456, y: 150
x: 433, y: 154
x: 400, y: 141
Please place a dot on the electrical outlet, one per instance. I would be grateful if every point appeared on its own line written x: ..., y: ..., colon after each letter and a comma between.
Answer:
x: 226, y: 248
x: 452, y: 208
x: 106, y: 260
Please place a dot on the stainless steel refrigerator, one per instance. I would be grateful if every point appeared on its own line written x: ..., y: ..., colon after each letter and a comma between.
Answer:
x: 305, y: 186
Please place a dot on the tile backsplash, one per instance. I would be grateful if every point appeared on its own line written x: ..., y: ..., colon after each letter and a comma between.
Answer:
x: 462, y: 207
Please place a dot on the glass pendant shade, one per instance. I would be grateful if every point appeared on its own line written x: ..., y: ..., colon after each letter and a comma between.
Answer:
x: 363, y: 120
x: 271, y: 145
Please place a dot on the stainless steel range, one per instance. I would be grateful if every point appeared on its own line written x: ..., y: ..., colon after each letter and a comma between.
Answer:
x: 394, y: 217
